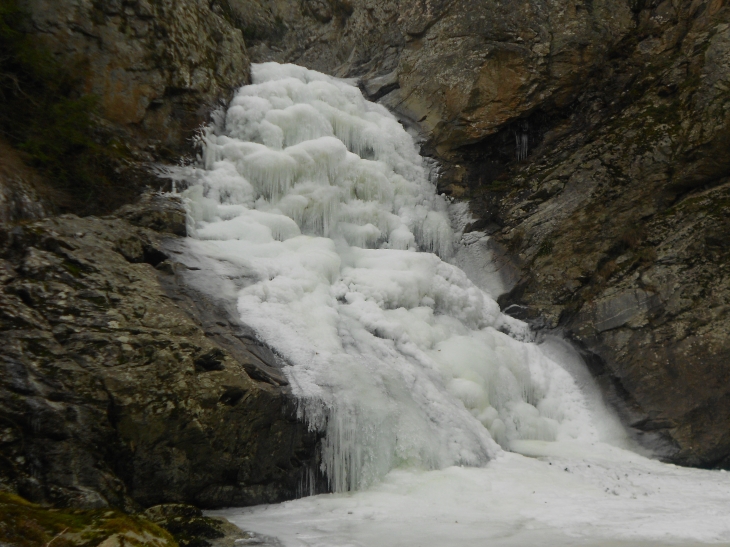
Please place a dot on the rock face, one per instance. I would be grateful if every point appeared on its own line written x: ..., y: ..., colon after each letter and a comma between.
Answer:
x: 97, y: 92
x: 621, y: 220
x: 591, y: 139
x: 120, y: 386
x: 20, y: 198
x: 157, y: 67
x: 460, y: 69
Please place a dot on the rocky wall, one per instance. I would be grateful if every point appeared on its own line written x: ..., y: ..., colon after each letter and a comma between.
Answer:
x: 121, y: 386
x: 157, y: 67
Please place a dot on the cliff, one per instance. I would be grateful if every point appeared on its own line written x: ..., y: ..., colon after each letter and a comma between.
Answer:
x: 589, y: 138
x: 122, y: 386
x: 96, y: 93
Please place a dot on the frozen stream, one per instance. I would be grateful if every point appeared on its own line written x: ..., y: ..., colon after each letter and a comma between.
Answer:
x: 445, y: 424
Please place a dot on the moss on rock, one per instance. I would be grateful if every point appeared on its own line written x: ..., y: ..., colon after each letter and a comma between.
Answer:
x: 26, y: 524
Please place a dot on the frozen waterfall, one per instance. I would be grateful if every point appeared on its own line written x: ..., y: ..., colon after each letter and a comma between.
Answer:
x: 322, y: 202
x: 313, y: 212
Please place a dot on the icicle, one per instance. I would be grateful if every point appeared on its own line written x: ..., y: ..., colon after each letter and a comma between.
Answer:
x: 522, y: 141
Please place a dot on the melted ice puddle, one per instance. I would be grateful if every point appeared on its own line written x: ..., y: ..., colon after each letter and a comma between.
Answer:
x: 315, y: 216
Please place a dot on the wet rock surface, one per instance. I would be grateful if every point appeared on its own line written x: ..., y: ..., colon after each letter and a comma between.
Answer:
x: 119, y: 386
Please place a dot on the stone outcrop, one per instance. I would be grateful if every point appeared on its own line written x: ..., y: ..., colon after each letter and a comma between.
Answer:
x: 591, y: 139
x: 157, y: 67
x: 96, y: 93
x: 121, y: 386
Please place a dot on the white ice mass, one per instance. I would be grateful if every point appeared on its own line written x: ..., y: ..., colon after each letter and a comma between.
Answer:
x: 316, y: 209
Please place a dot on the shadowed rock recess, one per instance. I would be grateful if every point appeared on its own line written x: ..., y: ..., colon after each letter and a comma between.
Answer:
x: 120, y: 386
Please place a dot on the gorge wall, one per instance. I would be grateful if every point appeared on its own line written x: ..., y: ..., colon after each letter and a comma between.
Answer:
x: 590, y: 138
x: 146, y: 74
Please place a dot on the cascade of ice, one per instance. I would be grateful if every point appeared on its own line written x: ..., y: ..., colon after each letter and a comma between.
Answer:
x: 319, y: 203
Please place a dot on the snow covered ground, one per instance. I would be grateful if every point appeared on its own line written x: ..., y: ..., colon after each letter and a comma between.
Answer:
x: 583, y: 496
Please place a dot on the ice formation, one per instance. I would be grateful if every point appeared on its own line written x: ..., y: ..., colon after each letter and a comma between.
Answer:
x: 317, y: 202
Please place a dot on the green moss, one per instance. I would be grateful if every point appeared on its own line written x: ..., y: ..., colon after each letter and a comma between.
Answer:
x: 25, y: 524
x: 72, y: 268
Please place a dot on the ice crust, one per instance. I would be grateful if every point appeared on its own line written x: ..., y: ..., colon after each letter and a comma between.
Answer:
x: 573, y: 495
x: 317, y: 202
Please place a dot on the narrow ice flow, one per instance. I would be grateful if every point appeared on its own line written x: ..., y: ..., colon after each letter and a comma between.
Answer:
x: 319, y: 203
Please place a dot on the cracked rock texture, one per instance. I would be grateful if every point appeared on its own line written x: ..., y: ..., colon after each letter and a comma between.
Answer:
x: 460, y: 69
x: 120, y: 386
x: 619, y: 221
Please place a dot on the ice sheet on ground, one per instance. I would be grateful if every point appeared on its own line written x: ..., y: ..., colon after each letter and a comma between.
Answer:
x: 576, y: 495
